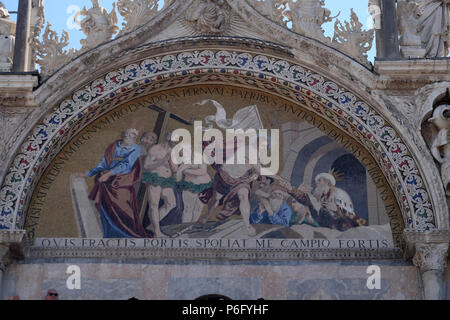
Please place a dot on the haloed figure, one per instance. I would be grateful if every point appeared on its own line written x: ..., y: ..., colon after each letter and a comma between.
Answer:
x: 114, y: 193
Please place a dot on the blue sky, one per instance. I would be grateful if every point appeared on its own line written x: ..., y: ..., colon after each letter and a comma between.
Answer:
x: 60, y: 12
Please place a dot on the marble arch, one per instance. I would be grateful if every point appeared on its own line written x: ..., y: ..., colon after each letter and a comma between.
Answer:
x: 269, y: 70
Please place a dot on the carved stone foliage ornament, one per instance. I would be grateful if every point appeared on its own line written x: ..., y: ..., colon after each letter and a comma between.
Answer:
x: 430, y: 256
x: 272, y: 9
x: 136, y: 13
x: 99, y: 26
x: 306, y: 17
x: 50, y: 51
x: 351, y: 39
x: 441, y: 143
x: 210, y: 17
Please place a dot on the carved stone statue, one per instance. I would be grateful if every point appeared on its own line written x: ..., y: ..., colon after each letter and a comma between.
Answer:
x: 36, y: 25
x: 441, y: 143
x: 7, y: 39
x: 410, y: 40
x: 375, y: 12
x: 99, y: 26
x: 308, y: 16
x: 211, y: 17
x: 434, y: 26
x: 3, y: 12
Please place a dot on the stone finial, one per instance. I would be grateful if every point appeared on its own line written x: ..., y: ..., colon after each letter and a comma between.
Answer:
x: 99, y: 26
x: 210, y: 17
x: 431, y: 256
x: 351, y: 39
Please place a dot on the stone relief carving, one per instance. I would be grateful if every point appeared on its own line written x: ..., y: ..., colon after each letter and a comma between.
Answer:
x: 136, y: 13
x: 410, y: 40
x: 431, y: 256
x: 7, y: 39
x: 210, y: 17
x: 99, y: 26
x: 50, y: 51
x: 441, y: 143
x: 351, y: 39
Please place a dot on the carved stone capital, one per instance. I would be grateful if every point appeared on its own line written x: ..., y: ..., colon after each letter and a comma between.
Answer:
x: 431, y: 256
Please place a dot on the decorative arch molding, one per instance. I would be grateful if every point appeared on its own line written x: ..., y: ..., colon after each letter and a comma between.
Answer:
x: 268, y: 72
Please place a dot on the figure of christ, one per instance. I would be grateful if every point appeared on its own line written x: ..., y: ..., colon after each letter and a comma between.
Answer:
x: 194, y: 181
x: 232, y: 188
x: 159, y: 178
x: 114, y: 193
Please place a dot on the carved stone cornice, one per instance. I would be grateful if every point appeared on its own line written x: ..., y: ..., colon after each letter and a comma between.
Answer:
x: 433, y: 236
x: 11, y: 236
x: 431, y: 256
x: 16, y: 90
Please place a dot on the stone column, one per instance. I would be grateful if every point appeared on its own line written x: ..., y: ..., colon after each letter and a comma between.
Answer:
x: 431, y: 260
x: 387, y: 37
x: 7, y: 238
x: 22, y: 47
x: 3, y: 264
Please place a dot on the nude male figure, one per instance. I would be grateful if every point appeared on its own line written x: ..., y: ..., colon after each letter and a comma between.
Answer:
x: 159, y: 177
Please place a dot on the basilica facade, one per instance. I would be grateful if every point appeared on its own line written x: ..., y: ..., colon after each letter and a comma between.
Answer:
x: 119, y: 180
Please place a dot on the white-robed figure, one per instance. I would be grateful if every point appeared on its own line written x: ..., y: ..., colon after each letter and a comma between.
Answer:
x: 441, y: 143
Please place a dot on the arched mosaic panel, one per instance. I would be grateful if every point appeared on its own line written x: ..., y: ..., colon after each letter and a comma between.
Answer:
x: 271, y: 74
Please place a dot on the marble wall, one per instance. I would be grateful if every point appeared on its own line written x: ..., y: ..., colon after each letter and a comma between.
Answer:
x: 182, y: 281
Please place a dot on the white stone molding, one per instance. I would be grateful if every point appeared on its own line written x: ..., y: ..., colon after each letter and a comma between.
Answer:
x: 213, y: 254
